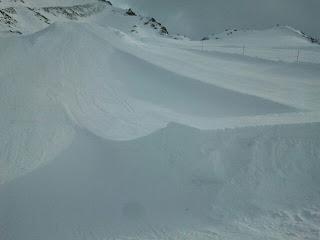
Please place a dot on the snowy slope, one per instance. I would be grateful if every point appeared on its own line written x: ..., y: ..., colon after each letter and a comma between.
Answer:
x: 112, y: 129
x: 198, y: 18
x: 280, y: 43
x: 29, y: 16
x: 46, y: 3
x: 100, y: 95
x: 179, y: 183
x: 279, y: 37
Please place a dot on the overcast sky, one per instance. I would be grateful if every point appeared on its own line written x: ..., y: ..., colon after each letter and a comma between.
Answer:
x: 198, y: 18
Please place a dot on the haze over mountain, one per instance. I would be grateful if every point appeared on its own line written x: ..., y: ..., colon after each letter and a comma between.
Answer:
x: 198, y: 18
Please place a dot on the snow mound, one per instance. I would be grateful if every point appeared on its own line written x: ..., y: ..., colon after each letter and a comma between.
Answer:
x: 118, y: 96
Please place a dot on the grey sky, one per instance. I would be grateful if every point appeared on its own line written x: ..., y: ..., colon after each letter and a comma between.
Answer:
x: 197, y: 18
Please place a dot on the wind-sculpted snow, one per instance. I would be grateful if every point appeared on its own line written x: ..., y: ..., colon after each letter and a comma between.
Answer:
x: 118, y: 95
x: 178, y: 182
x: 109, y: 133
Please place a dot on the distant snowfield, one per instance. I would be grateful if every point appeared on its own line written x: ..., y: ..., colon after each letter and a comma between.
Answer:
x: 110, y: 130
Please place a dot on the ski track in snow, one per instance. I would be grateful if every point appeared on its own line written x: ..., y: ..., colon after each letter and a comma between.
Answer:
x: 110, y: 133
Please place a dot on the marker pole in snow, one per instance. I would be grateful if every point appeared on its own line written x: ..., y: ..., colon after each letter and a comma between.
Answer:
x: 243, y: 50
x: 298, y: 55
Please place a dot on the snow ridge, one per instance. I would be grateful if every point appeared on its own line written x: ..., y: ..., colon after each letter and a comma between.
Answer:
x: 27, y: 17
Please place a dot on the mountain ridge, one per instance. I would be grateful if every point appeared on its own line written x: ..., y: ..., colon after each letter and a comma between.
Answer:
x: 24, y: 18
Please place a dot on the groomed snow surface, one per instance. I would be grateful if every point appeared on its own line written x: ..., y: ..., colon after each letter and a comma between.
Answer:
x: 109, y: 133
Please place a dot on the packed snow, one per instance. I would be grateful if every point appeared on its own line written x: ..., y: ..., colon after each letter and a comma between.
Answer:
x: 111, y: 128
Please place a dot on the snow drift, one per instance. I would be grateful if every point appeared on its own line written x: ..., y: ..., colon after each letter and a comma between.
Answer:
x: 177, y: 182
x: 110, y: 129
x: 118, y: 96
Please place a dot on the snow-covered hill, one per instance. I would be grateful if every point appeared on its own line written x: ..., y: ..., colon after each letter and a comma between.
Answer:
x: 280, y: 43
x: 279, y: 36
x: 112, y: 129
x: 25, y: 17
x: 198, y: 18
